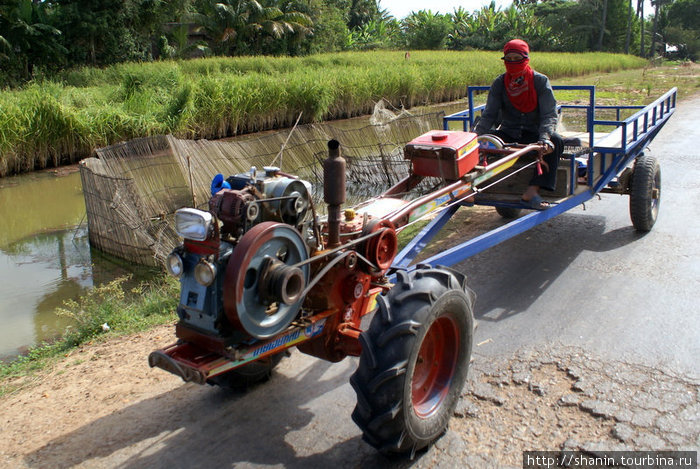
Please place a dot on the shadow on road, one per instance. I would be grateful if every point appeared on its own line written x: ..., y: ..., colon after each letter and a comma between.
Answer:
x: 510, y: 277
x: 200, y: 426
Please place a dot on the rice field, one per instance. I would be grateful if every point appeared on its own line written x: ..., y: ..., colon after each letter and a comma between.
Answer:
x: 61, y: 121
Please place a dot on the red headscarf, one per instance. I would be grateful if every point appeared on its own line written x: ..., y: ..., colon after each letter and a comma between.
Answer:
x: 520, y: 79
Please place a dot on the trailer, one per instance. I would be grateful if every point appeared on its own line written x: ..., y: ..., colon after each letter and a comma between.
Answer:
x: 260, y: 272
x: 615, y: 162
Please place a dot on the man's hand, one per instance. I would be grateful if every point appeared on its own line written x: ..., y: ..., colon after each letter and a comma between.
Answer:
x: 547, y: 145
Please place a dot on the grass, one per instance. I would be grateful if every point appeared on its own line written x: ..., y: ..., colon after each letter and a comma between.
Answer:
x: 60, y: 121
x: 124, y: 312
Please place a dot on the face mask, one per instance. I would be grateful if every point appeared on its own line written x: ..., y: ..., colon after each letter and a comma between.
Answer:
x: 516, y: 67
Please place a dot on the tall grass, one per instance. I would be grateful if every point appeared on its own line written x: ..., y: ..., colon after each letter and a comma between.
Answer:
x: 61, y: 121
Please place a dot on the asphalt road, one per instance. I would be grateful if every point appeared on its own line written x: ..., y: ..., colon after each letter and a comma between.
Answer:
x: 585, y: 279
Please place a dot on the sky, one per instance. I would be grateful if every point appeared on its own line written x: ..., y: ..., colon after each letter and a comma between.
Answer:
x: 402, y: 8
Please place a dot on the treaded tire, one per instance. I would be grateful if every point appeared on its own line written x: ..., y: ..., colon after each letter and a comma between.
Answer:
x: 508, y: 212
x: 414, y: 361
x: 248, y: 375
x: 645, y: 192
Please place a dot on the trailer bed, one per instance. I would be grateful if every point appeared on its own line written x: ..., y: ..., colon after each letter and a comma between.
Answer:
x: 607, y: 166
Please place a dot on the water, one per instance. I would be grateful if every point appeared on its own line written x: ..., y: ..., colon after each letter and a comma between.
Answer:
x: 45, y: 256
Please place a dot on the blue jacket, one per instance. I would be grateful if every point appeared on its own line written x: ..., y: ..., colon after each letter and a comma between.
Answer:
x: 499, y: 110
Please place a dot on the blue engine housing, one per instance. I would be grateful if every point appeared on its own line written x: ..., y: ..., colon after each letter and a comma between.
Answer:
x: 201, y: 307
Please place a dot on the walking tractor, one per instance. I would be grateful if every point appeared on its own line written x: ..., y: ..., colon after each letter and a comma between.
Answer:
x: 260, y: 272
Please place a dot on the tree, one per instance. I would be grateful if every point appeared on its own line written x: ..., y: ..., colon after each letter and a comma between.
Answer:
x: 426, y: 30
x: 361, y: 12
x: 628, y: 36
x: 685, y: 14
x: 28, y: 37
x: 683, y: 28
x: 377, y: 34
x: 522, y: 23
x: 241, y: 26
x: 570, y: 27
x: 640, y: 14
x: 177, y: 43
x: 657, y: 4
x: 484, y: 29
x: 382, y: 32
x: 101, y: 32
x: 165, y: 22
x: 330, y: 28
x: 617, y: 18
x: 601, y: 34
x: 610, y: 27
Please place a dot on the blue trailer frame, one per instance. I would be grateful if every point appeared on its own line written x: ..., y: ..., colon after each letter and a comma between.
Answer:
x: 635, y: 133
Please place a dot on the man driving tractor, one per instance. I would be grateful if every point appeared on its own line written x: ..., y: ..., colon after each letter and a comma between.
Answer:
x: 521, y: 108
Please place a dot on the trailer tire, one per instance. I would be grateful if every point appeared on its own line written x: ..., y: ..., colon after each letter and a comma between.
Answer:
x: 240, y: 379
x: 645, y: 192
x: 508, y: 212
x: 414, y: 361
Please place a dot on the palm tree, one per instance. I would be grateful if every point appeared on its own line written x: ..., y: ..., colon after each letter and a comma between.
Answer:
x: 178, y: 43
x: 281, y: 21
x: 362, y: 12
x: 236, y: 26
x: 460, y: 15
x: 426, y: 30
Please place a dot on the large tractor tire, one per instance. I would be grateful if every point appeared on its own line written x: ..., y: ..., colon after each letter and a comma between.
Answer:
x: 414, y: 361
x: 645, y: 193
x: 248, y: 375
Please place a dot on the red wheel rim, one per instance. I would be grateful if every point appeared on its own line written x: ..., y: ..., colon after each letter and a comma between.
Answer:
x: 435, y: 366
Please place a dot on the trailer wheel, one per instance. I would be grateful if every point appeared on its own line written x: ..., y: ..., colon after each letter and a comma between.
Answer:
x: 414, y: 361
x: 242, y: 378
x: 508, y: 212
x: 645, y: 192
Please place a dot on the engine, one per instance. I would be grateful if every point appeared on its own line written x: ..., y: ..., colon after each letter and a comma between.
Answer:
x: 257, y: 263
x: 237, y: 263
x: 244, y: 200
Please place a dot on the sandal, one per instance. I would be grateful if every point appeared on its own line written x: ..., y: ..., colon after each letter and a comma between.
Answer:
x: 536, y: 203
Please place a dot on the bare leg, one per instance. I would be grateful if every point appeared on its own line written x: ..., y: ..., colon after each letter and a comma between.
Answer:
x: 531, y: 192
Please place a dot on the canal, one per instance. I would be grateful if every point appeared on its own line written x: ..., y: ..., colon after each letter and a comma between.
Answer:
x: 45, y: 256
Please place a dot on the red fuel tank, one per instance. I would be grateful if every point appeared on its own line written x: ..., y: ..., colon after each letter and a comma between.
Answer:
x: 443, y: 153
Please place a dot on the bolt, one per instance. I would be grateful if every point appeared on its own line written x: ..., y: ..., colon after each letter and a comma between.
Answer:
x: 358, y: 290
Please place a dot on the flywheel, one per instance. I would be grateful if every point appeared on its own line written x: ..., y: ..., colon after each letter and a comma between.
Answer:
x: 263, y: 287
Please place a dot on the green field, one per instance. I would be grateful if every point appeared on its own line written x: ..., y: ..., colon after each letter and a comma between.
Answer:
x: 60, y: 121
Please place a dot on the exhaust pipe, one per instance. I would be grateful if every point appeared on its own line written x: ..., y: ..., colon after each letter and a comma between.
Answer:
x: 334, y: 191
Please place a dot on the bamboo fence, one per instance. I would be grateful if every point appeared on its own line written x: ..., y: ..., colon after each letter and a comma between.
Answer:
x: 132, y: 189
